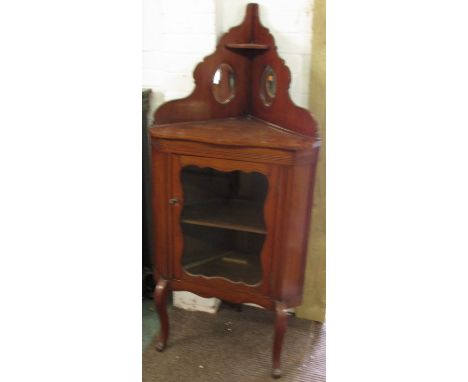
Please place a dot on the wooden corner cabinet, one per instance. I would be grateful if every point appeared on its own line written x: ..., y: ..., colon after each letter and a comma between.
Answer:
x: 233, y: 168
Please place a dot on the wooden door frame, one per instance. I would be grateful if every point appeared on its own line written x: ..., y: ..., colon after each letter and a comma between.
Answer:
x: 268, y: 250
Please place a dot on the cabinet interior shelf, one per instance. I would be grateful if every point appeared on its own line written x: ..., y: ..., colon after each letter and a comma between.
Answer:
x: 233, y: 265
x: 247, y: 45
x: 235, y: 214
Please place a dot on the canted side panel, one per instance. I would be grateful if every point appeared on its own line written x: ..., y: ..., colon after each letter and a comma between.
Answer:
x: 311, y: 169
x: 160, y: 175
x: 291, y: 250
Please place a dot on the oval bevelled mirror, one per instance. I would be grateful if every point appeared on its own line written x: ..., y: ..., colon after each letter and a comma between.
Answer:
x: 268, y: 86
x: 224, y: 83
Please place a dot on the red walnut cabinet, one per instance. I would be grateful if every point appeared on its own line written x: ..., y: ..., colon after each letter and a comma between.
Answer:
x: 233, y: 168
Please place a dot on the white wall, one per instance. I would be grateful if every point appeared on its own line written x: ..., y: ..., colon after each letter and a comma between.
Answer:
x: 177, y: 34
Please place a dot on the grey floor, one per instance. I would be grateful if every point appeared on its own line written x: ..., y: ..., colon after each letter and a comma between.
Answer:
x: 230, y: 346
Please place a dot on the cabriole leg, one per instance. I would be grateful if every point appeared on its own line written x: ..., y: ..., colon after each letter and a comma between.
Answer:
x: 280, y: 328
x: 160, y: 298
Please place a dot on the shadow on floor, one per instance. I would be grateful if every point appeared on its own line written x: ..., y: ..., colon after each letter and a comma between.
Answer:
x: 150, y: 322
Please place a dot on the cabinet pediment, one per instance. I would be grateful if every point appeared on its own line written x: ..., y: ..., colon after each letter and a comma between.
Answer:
x: 257, y: 85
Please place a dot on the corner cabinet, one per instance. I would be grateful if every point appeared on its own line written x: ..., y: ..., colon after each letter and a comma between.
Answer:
x: 233, y: 168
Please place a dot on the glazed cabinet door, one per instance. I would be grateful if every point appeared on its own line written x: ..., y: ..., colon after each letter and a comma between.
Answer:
x: 222, y: 220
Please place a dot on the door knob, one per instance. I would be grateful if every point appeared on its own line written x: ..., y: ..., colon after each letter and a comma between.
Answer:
x: 173, y: 201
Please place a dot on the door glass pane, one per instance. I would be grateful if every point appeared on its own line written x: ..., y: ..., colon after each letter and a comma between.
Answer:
x: 223, y: 224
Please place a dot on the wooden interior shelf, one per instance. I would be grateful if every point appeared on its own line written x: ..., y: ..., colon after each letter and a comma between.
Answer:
x: 238, y: 215
x: 247, y: 45
x: 233, y: 265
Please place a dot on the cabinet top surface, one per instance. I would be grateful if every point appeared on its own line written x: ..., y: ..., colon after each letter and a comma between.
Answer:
x: 233, y: 132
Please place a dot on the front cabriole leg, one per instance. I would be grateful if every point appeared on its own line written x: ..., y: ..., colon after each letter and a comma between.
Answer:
x: 281, y: 320
x: 160, y: 298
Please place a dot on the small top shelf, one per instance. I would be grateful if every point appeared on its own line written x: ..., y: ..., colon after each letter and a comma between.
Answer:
x: 248, y: 45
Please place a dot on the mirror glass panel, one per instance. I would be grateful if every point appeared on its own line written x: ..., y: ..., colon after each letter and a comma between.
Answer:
x: 222, y: 223
x: 224, y: 84
x: 268, y: 86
